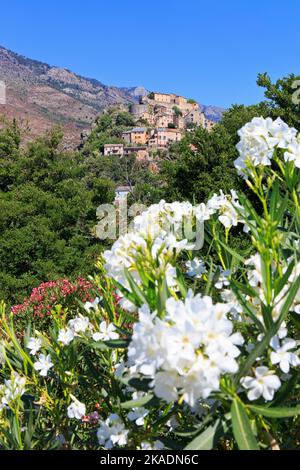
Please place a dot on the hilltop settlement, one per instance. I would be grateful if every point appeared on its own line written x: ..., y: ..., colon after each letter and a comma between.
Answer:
x: 161, y: 118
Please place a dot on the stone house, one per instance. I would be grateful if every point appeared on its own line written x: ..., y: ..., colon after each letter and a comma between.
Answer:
x: 141, y: 152
x: 137, y: 135
x: 113, y: 149
x: 195, y: 117
x: 166, y: 136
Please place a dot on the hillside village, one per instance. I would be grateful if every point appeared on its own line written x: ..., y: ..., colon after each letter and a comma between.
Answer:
x: 165, y: 117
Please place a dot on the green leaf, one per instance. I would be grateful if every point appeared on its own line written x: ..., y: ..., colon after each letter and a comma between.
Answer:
x: 242, y: 427
x: 209, y: 438
x: 257, y: 351
x: 286, y: 389
x: 281, y: 282
x: 275, y: 412
x: 180, y: 282
x: 233, y: 253
x: 135, y: 289
x: 117, y: 343
x: 289, y: 300
x: 142, y: 385
x: 163, y: 295
x: 143, y: 401
x: 126, y: 293
x: 247, y: 306
x: 296, y: 319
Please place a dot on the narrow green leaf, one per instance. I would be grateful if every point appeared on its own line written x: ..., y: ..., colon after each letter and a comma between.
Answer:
x: 143, y: 401
x: 242, y: 427
x: 180, y: 282
x: 142, y: 385
x: 232, y: 252
x: 127, y: 293
x: 286, y: 389
x: 276, y: 412
x: 257, y: 351
x: 135, y: 289
x: 288, y: 302
x: 247, y: 306
x: 209, y: 438
x: 117, y: 343
x: 281, y: 282
x: 296, y: 319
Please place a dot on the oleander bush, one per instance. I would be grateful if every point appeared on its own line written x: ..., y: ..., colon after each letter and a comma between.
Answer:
x: 201, y: 351
x: 38, y: 308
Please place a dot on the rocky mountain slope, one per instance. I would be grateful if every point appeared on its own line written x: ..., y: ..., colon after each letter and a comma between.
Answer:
x: 40, y: 96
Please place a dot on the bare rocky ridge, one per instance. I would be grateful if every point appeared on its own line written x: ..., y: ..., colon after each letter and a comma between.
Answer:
x: 41, y: 96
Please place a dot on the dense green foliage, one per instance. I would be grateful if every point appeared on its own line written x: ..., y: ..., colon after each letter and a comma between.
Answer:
x: 47, y: 212
x: 48, y: 197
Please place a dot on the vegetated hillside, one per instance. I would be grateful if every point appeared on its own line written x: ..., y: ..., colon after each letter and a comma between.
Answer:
x: 41, y: 96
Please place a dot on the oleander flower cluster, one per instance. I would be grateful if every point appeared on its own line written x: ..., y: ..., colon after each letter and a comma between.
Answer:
x: 186, y: 352
x: 204, y: 351
x: 260, y: 138
x: 157, y: 237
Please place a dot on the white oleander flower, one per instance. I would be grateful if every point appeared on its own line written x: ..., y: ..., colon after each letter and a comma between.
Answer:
x: 236, y: 310
x: 12, y: 389
x: 156, y: 445
x: 265, y: 383
x: 34, y: 345
x: 172, y: 424
x: 195, y: 268
x: 112, y: 432
x: 79, y: 324
x: 259, y: 138
x: 283, y: 134
x: 65, y: 336
x: 187, y: 351
x: 120, y: 368
x: 169, y: 218
x: 106, y: 333
x: 226, y: 205
x: 282, y: 354
x: 254, y: 275
x: 292, y: 153
x: 138, y: 415
x: 77, y: 409
x: 43, y: 364
x: 223, y: 279
x: 160, y: 233
x: 88, y: 306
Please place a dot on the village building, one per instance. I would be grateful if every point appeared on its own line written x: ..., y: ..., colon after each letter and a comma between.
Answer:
x: 142, y: 111
x: 165, y: 136
x: 194, y: 117
x: 209, y: 125
x: 164, y: 120
x: 164, y: 97
x: 179, y: 121
x: 141, y: 152
x: 114, y: 149
x: 137, y: 135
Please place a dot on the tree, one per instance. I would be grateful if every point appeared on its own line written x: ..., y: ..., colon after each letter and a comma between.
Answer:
x: 48, y: 205
x: 283, y: 97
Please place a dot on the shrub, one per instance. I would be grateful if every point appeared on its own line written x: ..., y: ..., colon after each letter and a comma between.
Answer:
x: 40, y: 305
x: 197, y: 358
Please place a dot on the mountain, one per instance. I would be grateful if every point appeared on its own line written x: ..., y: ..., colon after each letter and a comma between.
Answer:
x: 214, y: 113
x: 41, y: 96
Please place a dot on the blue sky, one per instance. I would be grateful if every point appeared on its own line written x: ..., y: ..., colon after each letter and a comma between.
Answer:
x: 208, y: 50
